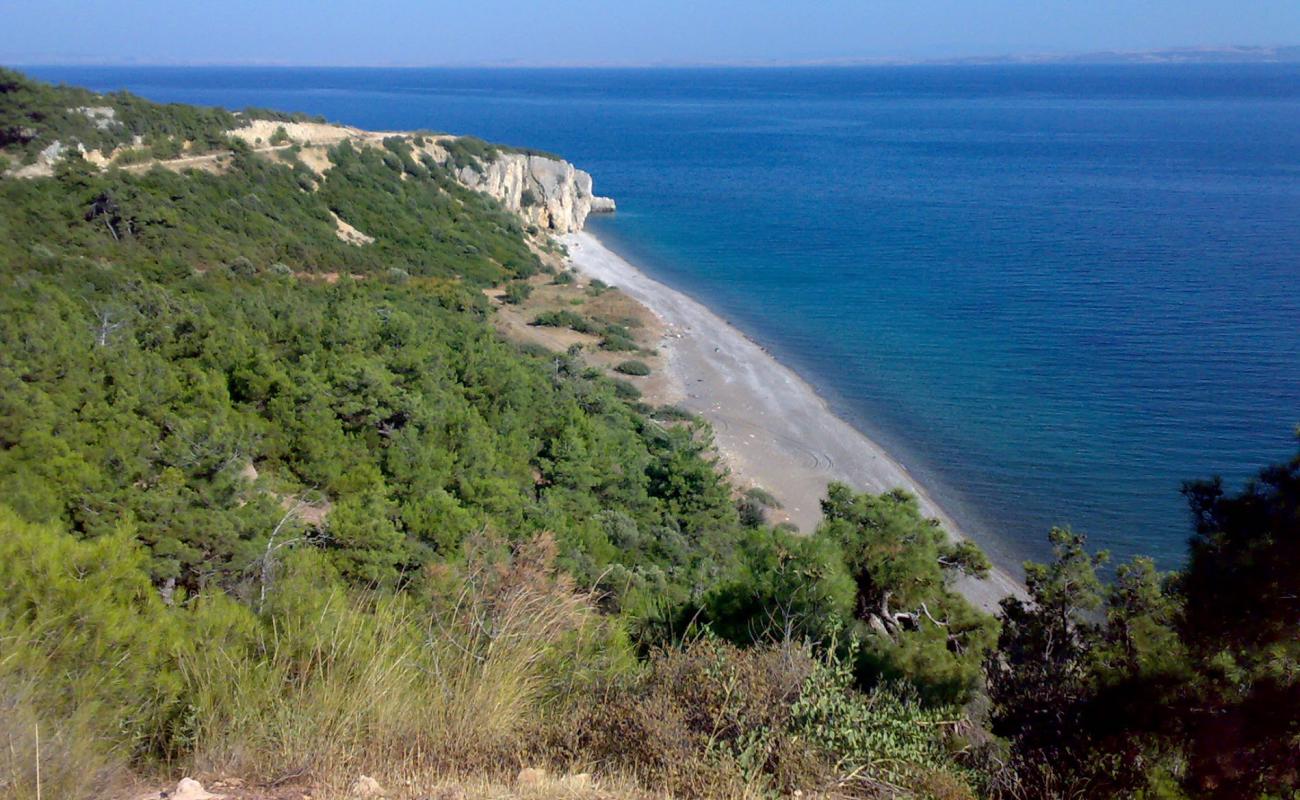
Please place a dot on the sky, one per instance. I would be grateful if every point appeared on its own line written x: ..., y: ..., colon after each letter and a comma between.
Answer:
x: 616, y: 32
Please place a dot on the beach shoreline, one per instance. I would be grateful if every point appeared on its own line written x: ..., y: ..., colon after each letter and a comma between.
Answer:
x: 771, y: 427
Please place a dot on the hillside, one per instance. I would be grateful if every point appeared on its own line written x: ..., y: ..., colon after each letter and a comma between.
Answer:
x: 280, y: 506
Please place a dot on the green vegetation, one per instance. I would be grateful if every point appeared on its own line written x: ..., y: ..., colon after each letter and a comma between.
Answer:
x: 565, y: 319
x: 1156, y: 684
x: 617, y: 338
x: 637, y: 368
x: 753, y: 506
x: 674, y: 414
x: 625, y: 390
x: 762, y: 496
x: 614, y: 336
x: 272, y: 501
x: 33, y: 116
x: 469, y: 152
x: 517, y: 292
x: 911, y: 621
x: 528, y: 151
x: 253, y: 112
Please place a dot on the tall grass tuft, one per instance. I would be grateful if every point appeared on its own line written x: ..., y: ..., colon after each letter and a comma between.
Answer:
x: 337, y: 684
x: 52, y: 755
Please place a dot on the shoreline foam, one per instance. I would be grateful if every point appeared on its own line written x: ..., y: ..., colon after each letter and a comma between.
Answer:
x: 771, y: 427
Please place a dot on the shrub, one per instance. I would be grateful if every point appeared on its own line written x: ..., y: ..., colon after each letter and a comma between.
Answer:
x: 708, y: 719
x: 536, y: 350
x: 242, y: 267
x: 164, y: 147
x: 517, y: 292
x: 618, y: 343
x: 597, y: 287
x: 565, y: 319
x: 133, y: 156
x: 887, y: 734
x: 638, y: 368
x: 752, y: 513
x: 704, y: 720
x: 671, y: 413
x: 86, y: 649
x: 564, y: 278
x: 528, y: 198
x: 762, y: 497
x: 469, y: 151
x: 626, y: 391
x: 279, y: 137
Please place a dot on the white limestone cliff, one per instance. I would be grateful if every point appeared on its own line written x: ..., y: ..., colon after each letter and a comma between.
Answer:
x: 546, y: 192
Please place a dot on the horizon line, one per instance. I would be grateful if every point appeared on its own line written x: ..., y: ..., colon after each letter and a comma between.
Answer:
x: 1183, y: 54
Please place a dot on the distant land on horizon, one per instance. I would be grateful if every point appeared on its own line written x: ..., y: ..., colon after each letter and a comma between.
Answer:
x: 1216, y: 54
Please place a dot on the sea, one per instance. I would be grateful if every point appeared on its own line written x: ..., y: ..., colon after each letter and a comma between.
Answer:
x: 1055, y: 293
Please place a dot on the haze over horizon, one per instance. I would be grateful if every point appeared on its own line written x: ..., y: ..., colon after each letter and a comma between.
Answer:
x: 584, y: 32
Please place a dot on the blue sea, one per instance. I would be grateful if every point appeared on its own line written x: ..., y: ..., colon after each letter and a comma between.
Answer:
x: 1054, y: 292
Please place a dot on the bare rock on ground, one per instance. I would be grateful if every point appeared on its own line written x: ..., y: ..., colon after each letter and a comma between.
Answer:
x: 366, y: 788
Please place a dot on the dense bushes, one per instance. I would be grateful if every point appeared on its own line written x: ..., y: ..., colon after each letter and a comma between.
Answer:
x: 517, y: 292
x: 469, y: 152
x: 565, y: 319
x: 633, y: 367
x: 415, y: 424
x: 1161, y: 683
x: 711, y: 720
x: 319, y: 678
x: 614, y: 336
x: 911, y: 621
x: 87, y: 659
x: 34, y: 116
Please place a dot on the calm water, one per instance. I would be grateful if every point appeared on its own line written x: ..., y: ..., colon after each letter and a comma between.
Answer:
x: 1054, y: 292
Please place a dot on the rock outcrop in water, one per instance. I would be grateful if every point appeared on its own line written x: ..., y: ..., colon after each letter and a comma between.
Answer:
x: 546, y: 192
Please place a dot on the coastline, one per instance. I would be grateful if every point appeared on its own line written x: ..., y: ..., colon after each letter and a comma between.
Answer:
x: 771, y: 427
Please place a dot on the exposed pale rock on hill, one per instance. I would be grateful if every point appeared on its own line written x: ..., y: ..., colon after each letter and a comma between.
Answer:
x: 549, y: 193
x: 544, y: 191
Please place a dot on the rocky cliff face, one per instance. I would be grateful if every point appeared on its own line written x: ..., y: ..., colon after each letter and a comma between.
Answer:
x: 551, y: 194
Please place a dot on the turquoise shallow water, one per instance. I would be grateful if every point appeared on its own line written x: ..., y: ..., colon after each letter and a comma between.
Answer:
x: 1054, y: 293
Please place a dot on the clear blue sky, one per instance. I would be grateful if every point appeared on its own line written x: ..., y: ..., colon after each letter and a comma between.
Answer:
x: 428, y: 32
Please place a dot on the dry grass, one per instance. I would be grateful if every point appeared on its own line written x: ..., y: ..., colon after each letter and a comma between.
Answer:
x: 706, y: 720
x: 351, y: 686
x: 647, y: 330
x: 44, y: 756
x: 536, y: 785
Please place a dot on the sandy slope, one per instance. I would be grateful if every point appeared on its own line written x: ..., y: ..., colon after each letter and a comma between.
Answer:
x: 772, y: 428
